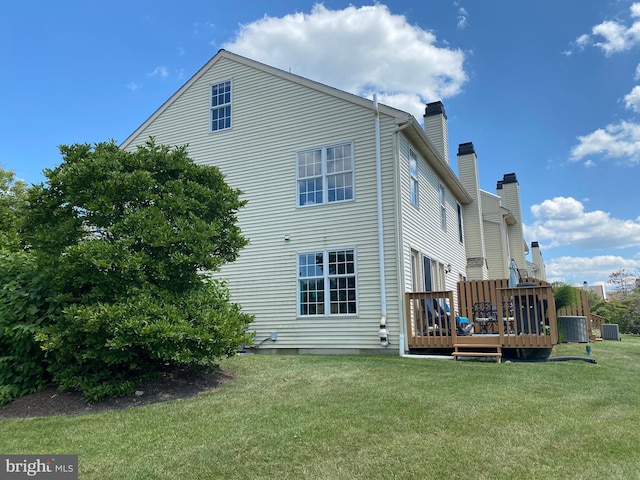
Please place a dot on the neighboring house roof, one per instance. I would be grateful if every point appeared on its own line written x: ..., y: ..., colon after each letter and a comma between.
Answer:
x: 403, y: 119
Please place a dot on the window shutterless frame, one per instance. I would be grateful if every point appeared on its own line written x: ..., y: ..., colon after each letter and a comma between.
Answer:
x: 327, y: 283
x: 325, y: 175
x: 220, y: 105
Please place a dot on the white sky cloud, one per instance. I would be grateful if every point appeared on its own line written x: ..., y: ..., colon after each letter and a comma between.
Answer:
x: 160, y: 71
x: 563, y: 221
x: 616, y: 141
x: 462, y: 18
x: 617, y: 37
x: 583, y: 40
x: 133, y: 86
x: 613, y: 36
x: 632, y: 99
x: 619, y: 141
x: 404, y: 63
x: 575, y: 270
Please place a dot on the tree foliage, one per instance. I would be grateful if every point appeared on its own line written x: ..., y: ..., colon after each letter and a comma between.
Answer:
x: 124, y: 238
x: 12, y: 197
x: 565, y: 295
x: 623, y: 282
x: 112, y: 222
x: 25, y: 309
x: 630, y: 320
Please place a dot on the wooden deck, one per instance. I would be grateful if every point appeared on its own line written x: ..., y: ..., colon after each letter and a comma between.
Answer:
x: 511, y: 318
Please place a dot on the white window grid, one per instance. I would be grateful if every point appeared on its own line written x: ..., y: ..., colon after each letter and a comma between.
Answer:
x: 220, y: 113
x: 327, y: 283
x: 325, y: 175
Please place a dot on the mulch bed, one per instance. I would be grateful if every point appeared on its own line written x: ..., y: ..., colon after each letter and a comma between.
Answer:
x: 172, y: 384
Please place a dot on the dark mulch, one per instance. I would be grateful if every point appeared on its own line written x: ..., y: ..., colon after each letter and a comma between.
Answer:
x: 172, y: 384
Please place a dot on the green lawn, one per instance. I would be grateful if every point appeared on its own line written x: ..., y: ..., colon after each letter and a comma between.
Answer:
x: 335, y: 417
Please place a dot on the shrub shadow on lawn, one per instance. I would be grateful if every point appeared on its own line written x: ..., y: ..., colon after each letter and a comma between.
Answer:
x: 171, y: 384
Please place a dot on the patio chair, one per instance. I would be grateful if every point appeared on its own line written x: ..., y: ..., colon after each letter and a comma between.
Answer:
x: 427, y: 326
x: 484, y: 315
x: 438, y: 317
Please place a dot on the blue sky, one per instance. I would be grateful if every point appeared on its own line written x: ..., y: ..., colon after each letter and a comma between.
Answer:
x: 547, y: 89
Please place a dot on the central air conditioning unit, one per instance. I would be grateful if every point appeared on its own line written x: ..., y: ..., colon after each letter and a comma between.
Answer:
x: 609, y: 331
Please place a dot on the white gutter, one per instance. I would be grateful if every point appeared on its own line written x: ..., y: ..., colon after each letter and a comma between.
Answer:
x: 400, y: 252
x: 383, y: 291
x: 399, y: 236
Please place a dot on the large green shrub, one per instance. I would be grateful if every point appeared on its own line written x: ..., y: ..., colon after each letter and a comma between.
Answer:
x: 103, y: 349
x: 124, y: 237
x: 24, y: 311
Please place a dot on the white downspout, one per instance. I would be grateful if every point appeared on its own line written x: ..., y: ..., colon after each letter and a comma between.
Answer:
x: 401, y: 336
x: 383, y: 332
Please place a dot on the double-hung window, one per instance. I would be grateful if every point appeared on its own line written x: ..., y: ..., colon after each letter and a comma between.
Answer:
x: 325, y: 175
x: 327, y: 283
x: 221, y: 106
x: 413, y: 174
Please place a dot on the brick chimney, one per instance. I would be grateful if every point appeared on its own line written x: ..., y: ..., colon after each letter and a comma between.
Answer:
x: 435, y: 126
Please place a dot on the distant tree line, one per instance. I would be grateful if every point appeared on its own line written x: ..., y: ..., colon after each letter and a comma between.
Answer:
x: 622, y: 308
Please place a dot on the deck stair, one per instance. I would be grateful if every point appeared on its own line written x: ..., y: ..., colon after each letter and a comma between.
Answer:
x: 478, y: 350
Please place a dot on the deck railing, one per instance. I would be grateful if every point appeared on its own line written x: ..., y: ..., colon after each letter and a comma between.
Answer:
x: 521, y: 317
x: 528, y: 317
x: 428, y: 324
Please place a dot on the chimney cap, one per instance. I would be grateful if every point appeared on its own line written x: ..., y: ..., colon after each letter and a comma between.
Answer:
x: 534, y: 244
x: 509, y: 178
x: 499, y: 185
x: 466, y: 148
x: 434, y: 108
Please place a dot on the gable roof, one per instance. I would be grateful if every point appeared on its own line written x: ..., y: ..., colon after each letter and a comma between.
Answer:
x: 404, y: 120
x: 225, y: 54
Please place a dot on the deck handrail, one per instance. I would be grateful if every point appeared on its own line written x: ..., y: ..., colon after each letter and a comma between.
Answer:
x: 523, y: 317
x: 429, y: 325
x: 534, y: 322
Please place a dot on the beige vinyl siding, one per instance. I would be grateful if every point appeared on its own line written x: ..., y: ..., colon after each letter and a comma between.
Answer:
x: 474, y: 240
x: 495, y: 235
x: 421, y: 227
x: 272, y: 119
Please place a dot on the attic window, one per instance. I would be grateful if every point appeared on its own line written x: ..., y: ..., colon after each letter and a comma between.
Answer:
x: 221, y: 106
